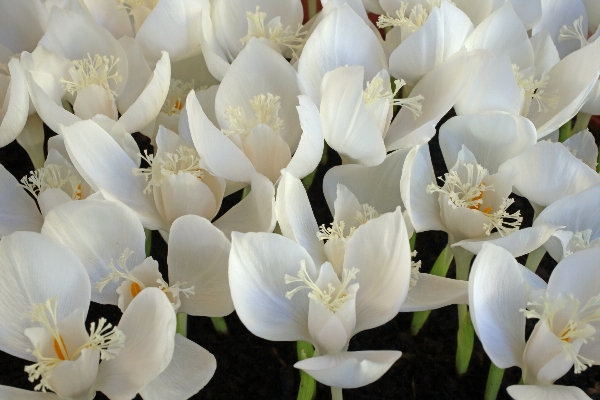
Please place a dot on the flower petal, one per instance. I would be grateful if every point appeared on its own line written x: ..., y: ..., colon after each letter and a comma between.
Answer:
x: 433, y: 292
x: 18, y: 211
x: 310, y: 148
x: 14, y: 114
x: 546, y: 392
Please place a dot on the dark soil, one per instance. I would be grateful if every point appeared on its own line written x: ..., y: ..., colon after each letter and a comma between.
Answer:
x: 252, y: 368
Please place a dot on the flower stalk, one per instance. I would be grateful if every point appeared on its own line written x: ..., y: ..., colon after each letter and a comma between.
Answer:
x: 220, y: 325
x: 308, y: 385
x: 494, y: 381
x: 465, y: 336
x: 534, y: 258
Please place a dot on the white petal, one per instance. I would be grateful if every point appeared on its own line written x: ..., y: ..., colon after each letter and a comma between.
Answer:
x: 583, y: 146
x: 149, y: 328
x: 552, y: 172
x: 7, y: 392
x: 296, y: 218
x: 50, y: 199
x: 545, y: 53
x: 151, y: 99
x: 441, y: 88
x: 221, y: 156
x: 75, y: 379
x: 378, y: 186
x: 22, y: 25
x: 310, y: 148
x: 98, y: 157
x: 423, y: 208
x: 545, y: 358
x: 136, y: 62
x: 34, y: 269
x: 381, y: 252
x: 93, y: 100
x: 214, y: 56
x: 433, y: 292
x: 341, y: 38
x: 255, y: 213
x: 555, y: 14
x: 546, y: 392
x: 199, y: 256
x: 258, y: 264
x: 98, y: 232
x: 518, y: 243
x: 18, y: 211
x: 496, y: 296
x: 349, y: 369
x: 189, y: 371
x: 267, y: 151
x: 492, y: 138
x: 15, y: 112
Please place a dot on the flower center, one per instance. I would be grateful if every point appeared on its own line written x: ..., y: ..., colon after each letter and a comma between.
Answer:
x: 331, y: 297
x: 469, y: 194
x: 266, y: 111
x: 52, y: 176
x: 578, y: 327
x: 416, y: 17
x: 121, y: 272
x: 92, y: 71
x: 107, y: 341
x: 273, y: 31
x: 375, y: 91
x: 573, y: 33
x: 534, y: 88
x: 336, y: 231
x: 185, y: 159
x: 581, y: 241
x: 175, y: 100
x: 130, y: 5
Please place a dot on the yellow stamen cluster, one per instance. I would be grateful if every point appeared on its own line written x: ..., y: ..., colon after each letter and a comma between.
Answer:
x: 93, y: 71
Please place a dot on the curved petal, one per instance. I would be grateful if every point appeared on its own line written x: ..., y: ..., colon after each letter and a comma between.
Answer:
x: 191, y: 368
x: 546, y: 392
x: 34, y: 269
x: 18, y: 211
x: 381, y: 252
x: 100, y: 159
x: 310, y: 148
x: 149, y: 328
x: 496, y: 296
x: 583, y: 146
x: 377, y: 186
x: 198, y: 256
x: 552, y: 172
x: 341, y: 38
x: 433, y: 292
x: 255, y: 213
x: 14, y: 114
x: 216, y: 60
x: 349, y: 369
x: 8, y: 392
x: 267, y: 151
x: 423, y: 208
x: 136, y: 62
x: 295, y: 217
x: 441, y: 88
x: 556, y: 14
x: 492, y: 138
x: 75, y: 379
x: 98, y: 232
x: 94, y: 100
x: 258, y: 264
x: 22, y: 25
x: 151, y: 99
x: 221, y: 156
x: 51, y: 198
x: 545, y: 358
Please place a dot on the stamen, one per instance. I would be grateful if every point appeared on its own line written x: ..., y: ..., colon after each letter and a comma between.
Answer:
x: 186, y: 159
x: 414, y: 272
x: 174, y: 291
x: 130, y: 5
x: 96, y: 71
x: 534, y: 88
x: 135, y: 289
x: 266, y: 111
x: 279, y: 35
x: 104, y: 339
x: 176, y: 97
x: 374, y: 91
x: 499, y: 221
x: 121, y: 273
x: 579, y: 325
x: 337, y: 228
x: 333, y: 303
x: 574, y: 33
x: 51, y: 177
x: 581, y: 241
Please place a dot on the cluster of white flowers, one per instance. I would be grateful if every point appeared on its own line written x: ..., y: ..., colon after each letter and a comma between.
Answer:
x: 240, y: 94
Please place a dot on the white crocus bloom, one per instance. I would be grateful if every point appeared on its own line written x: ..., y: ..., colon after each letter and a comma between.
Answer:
x: 420, y: 38
x: 260, y: 122
x: 470, y: 203
x: 362, y: 292
x: 502, y: 294
x: 43, y: 315
x: 556, y: 15
x: 227, y: 26
x: 91, y: 75
x: 330, y: 244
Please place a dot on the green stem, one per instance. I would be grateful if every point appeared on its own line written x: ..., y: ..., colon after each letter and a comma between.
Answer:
x: 220, y: 325
x: 312, y: 8
x: 494, y: 381
x: 245, y: 192
x: 534, y: 258
x: 413, y: 241
x: 581, y: 122
x: 148, y: 241
x: 308, y: 386
x: 181, y: 324
x: 440, y: 268
x: 565, y: 132
x: 308, y: 179
x: 466, y: 335
x: 336, y: 393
